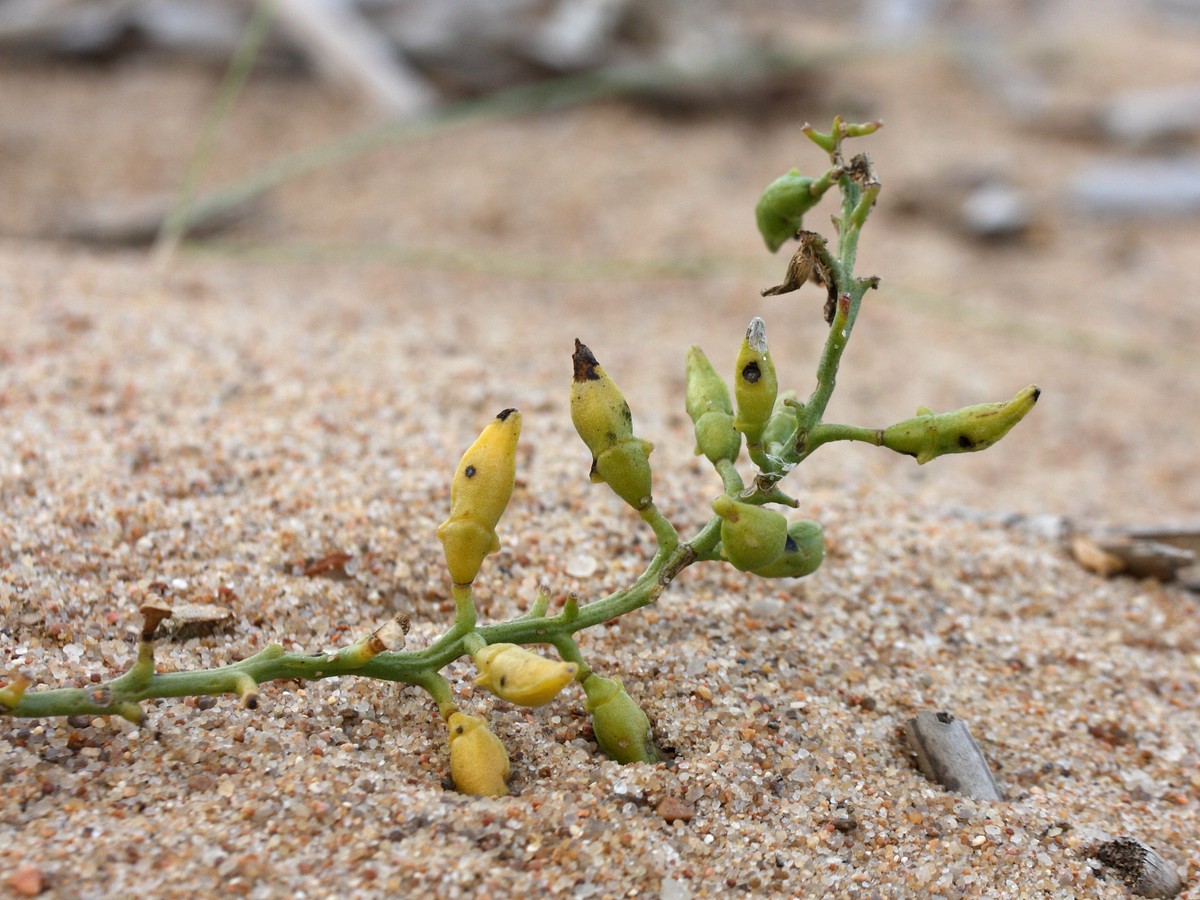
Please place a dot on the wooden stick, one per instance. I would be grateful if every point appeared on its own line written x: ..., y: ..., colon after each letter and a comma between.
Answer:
x: 948, y: 754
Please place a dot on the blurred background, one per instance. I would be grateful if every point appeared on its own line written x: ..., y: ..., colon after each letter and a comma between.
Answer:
x: 488, y: 180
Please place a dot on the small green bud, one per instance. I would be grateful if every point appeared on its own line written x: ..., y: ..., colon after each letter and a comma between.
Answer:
x: 716, y: 438
x: 626, y: 469
x: 781, y: 208
x: 706, y: 390
x: 754, y: 383
x: 785, y: 417
x: 710, y: 409
x: 751, y: 536
x: 803, y: 552
x: 622, y: 729
x: 929, y: 435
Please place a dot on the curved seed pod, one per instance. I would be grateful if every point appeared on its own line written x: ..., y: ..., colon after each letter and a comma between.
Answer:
x: 785, y: 417
x: 520, y: 676
x: 622, y: 729
x: 605, y: 423
x: 929, y: 435
x: 803, y: 551
x: 479, y: 494
x: 478, y: 760
x: 710, y: 409
x: 781, y: 208
x: 751, y: 536
x: 754, y: 383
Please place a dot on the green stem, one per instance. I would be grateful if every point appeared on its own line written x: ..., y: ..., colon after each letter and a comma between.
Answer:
x: 464, y: 608
x: 569, y: 651
x: 439, y: 689
x: 664, y: 531
x: 826, y: 433
x: 418, y: 667
x: 729, y: 477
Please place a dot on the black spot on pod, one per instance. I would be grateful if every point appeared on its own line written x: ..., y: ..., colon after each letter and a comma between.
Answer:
x: 505, y: 413
x: 585, y: 363
x: 469, y: 471
x: 751, y: 373
x: 965, y: 442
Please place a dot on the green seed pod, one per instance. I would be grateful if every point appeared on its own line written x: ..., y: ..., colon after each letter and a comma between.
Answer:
x: 706, y: 390
x: 479, y: 494
x: 751, y: 536
x: 625, y: 467
x: 784, y: 419
x: 716, y: 438
x: 710, y: 409
x: 803, y: 552
x: 754, y: 383
x: 478, y: 761
x: 603, y: 420
x: 622, y: 729
x: 929, y: 435
x: 781, y: 208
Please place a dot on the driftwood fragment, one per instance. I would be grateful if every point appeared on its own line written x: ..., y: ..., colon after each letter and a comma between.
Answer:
x: 947, y: 754
x: 191, y: 620
x: 136, y: 220
x: 1124, y: 554
x: 347, y: 46
x: 1141, y: 868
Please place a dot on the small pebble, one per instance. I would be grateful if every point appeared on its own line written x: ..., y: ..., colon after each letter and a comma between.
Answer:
x: 672, y: 809
x: 26, y: 880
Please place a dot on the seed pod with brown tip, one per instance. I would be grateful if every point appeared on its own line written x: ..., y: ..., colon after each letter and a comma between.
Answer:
x: 604, y: 421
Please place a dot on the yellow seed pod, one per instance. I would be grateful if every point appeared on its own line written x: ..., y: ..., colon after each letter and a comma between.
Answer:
x: 479, y: 494
x: 802, y: 554
x: 598, y: 408
x: 622, y: 730
x: 751, y: 536
x: 520, y: 676
x: 754, y: 383
x: 604, y: 421
x: 928, y: 435
x: 478, y: 760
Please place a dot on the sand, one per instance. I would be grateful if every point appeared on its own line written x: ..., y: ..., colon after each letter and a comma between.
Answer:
x: 204, y: 433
